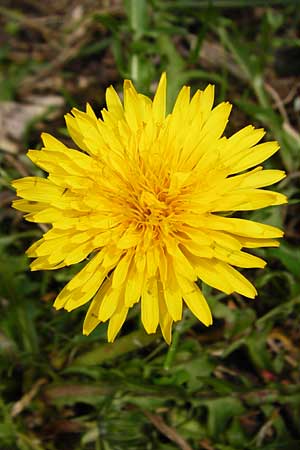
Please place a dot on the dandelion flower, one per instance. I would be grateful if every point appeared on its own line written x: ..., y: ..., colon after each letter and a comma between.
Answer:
x: 143, y: 202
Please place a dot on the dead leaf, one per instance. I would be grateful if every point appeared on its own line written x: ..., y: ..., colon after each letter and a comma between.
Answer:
x: 27, y: 398
x: 15, y: 118
x: 167, y: 431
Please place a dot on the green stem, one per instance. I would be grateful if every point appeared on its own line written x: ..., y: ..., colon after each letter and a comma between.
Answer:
x: 188, y: 321
x: 137, y: 15
x: 180, y: 328
x: 172, y: 349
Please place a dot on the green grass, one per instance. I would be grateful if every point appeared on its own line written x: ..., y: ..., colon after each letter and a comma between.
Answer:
x: 233, y: 386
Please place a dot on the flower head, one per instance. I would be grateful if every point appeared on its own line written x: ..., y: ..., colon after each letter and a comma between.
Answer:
x: 143, y: 201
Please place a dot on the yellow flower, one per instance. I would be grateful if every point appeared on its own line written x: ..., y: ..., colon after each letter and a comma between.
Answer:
x: 143, y: 201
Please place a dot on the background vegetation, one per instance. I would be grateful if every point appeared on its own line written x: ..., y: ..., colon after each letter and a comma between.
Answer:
x: 232, y: 386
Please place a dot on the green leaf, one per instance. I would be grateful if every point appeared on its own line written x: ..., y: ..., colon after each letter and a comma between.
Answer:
x: 123, y: 345
x: 289, y: 256
x: 220, y: 412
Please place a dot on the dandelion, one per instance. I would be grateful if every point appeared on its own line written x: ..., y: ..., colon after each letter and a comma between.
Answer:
x: 144, y: 202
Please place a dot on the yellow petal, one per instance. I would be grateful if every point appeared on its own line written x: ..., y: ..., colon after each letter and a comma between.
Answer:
x: 159, y: 101
x: 113, y: 102
x: 217, y: 121
x: 149, y: 305
x: 77, y: 254
x: 73, y: 131
x: 83, y: 286
x: 133, y: 286
x: 165, y: 320
x: 91, y: 319
x: 225, y: 239
x: 28, y: 206
x: 256, y: 243
x: 130, y: 238
x: 131, y: 110
x: 116, y: 323
x: 182, y: 102
x: 52, y: 143
x: 241, y: 227
x: 163, y: 263
x: 248, y: 199
x: 243, y: 139
x: 42, y: 263
x: 253, y: 156
x: 121, y: 270
x: 180, y: 262
x: 207, y: 100
x: 238, y: 282
x: 90, y: 112
x: 237, y: 258
x: 198, y: 250
x: 173, y: 297
x: 206, y: 271
x: 195, y: 105
x: 37, y: 189
x: 91, y: 268
x: 109, y: 303
x: 174, y: 303
x: 257, y: 178
x: 152, y: 260
x: 195, y: 301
